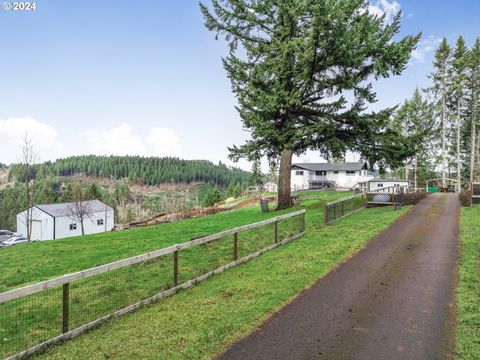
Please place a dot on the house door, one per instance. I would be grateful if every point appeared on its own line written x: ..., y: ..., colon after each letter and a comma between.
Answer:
x: 37, y: 231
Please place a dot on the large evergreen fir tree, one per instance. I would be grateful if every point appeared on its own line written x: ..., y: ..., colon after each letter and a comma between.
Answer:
x: 441, y: 90
x: 301, y: 73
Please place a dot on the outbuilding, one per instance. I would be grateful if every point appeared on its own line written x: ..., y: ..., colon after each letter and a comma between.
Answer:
x: 377, y: 184
x: 56, y: 221
x: 271, y: 187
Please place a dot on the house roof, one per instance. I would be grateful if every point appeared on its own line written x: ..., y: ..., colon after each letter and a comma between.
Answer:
x: 64, y: 209
x: 347, y: 166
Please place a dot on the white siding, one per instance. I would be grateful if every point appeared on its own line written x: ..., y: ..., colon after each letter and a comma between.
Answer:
x: 299, y: 182
x: 62, y: 225
x: 378, y: 184
x: 42, y: 224
x: 341, y: 179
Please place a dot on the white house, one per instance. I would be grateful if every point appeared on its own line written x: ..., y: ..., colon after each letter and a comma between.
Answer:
x: 271, y: 187
x: 56, y: 221
x: 376, y: 184
x: 309, y: 176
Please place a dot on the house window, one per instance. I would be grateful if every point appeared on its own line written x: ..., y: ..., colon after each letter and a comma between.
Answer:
x: 299, y: 173
x: 100, y: 222
x: 379, y: 185
x: 320, y: 173
x: 350, y: 172
x: 73, y: 226
x: 335, y: 171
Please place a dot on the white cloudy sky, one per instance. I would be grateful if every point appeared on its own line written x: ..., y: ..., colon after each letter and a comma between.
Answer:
x: 108, y: 78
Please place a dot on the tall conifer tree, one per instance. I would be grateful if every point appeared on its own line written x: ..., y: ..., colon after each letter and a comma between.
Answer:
x: 301, y: 72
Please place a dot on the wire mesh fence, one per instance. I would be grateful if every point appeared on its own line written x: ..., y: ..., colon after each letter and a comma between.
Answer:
x: 475, y: 192
x: 340, y: 208
x: 34, y: 316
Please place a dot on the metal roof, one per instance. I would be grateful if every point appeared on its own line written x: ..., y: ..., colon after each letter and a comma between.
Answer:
x: 347, y: 166
x: 64, y: 209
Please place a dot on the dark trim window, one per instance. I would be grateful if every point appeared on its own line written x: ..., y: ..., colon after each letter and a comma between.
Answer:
x: 320, y: 173
x: 335, y: 171
x: 299, y: 172
x: 379, y: 185
x: 350, y: 172
x: 73, y: 226
x: 100, y: 222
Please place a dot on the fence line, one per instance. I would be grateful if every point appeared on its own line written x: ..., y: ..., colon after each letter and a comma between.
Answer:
x: 338, y: 209
x: 62, y: 283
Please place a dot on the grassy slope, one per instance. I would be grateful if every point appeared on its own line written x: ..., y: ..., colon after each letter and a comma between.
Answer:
x: 468, y: 292
x: 25, y: 264
x: 204, y: 320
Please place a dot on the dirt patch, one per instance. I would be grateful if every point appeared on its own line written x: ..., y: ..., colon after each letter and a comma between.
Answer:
x: 393, y: 300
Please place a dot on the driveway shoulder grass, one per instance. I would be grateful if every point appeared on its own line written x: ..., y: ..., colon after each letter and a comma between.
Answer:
x: 468, y: 292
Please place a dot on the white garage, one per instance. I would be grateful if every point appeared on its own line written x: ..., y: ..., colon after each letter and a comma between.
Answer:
x: 56, y: 221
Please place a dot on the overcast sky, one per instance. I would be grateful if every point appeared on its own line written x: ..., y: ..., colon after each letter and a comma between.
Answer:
x: 145, y: 77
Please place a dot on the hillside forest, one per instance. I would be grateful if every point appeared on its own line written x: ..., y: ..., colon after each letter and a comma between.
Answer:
x: 136, y: 187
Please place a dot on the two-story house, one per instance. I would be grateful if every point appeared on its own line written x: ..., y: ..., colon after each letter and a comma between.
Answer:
x: 308, y: 176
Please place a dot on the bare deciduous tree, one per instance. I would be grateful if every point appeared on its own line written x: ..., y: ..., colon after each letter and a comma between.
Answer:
x: 27, y: 161
x: 79, y: 210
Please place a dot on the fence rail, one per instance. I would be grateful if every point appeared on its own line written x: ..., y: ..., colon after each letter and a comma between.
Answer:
x: 338, y: 209
x: 392, y: 195
x: 35, y: 316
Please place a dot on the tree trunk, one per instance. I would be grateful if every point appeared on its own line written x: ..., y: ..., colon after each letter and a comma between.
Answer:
x: 444, y: 138
x: 415, y: 185
x: 284, y: 179
x: 473, y: 142
x: 406, y: 170
x: 459, y: 170
x: 83, y: 228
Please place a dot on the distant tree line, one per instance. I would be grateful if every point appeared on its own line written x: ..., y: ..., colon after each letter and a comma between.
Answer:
x: 140, y: 170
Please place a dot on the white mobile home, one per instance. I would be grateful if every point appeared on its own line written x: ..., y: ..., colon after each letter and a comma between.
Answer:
x: 328, y: 175
x: 56, y: 221
x: 376, y: 184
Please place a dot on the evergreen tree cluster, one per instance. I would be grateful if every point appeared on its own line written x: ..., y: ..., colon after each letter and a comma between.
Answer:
x: 447, y: 122
x: 141, y: 170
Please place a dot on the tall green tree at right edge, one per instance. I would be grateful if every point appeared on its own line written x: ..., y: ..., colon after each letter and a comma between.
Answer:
x: 301, y: 72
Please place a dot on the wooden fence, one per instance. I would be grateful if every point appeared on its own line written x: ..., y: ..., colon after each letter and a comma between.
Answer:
x: 338, y: 209
x: 391, y: 195
x: 57, y: 292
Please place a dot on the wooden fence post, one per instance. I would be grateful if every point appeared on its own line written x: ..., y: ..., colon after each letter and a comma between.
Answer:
x: 276, y: 231
x: 66, y: 307
x: 353, y: 203
x: 303, y: 222
x: 175, y: 268
x: 235, y: 246
x: 325, y: 214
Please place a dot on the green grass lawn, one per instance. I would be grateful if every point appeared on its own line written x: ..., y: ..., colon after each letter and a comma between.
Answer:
x: 204, y: 320
x: 30, y: 263
x: 468, y: 292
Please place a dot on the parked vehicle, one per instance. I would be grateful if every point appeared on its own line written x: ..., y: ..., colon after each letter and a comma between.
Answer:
x: 5, y: 235
x: 15, y: 240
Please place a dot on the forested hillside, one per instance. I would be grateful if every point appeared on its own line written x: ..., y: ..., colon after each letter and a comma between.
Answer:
x: 142, y: 170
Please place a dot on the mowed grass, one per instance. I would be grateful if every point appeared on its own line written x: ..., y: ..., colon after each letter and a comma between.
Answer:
x: 204, y: 320
x: 468, y: 291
